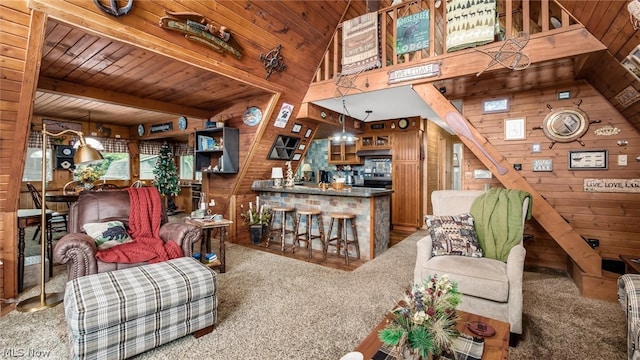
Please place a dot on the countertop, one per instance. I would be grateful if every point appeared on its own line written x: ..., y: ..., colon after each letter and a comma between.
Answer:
x: 315, y: 190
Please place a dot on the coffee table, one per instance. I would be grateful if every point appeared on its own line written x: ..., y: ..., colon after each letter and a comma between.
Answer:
x: 496, y: 347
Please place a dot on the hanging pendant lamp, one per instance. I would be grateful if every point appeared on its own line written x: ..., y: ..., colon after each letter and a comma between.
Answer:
x: 343, y: 136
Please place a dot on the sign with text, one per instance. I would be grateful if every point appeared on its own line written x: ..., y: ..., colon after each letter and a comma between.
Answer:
x: 417, y: 72
x: 413, y: 32
x: 612, y: 185
x: 160, y: 128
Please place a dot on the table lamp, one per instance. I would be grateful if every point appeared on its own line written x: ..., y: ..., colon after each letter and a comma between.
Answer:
x: 276, y: 175
x: 84, y: 155
x: 306, y: 169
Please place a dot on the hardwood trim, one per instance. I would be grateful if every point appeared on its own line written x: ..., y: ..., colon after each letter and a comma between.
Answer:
x: 110, y: 97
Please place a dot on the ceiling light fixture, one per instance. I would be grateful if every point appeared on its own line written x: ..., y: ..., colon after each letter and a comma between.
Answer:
x: 343, y: 136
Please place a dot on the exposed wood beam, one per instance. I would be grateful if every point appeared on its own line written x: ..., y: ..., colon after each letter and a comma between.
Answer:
x: 557, y: 44
x: 110, y: 97
x: 563, y: 233
x: 313, y: 112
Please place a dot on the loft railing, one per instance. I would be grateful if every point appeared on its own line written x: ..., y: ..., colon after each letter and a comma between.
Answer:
x: 521, y: 16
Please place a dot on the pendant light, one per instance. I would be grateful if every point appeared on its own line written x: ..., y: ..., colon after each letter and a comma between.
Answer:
x: 343, y: 136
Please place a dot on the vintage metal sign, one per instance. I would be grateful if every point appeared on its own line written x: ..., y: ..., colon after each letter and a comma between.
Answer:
x: 612, y: 185
x: 413, y: 32
x: 161, y: 128
x: 417, y: 72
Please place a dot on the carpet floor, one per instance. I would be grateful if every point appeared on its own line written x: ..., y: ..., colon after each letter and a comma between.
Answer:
x: 274, y: 307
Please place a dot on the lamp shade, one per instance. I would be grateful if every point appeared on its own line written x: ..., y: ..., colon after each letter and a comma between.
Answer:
x: 306, y: 167
x: 86, y: 155
x: 276, y: 173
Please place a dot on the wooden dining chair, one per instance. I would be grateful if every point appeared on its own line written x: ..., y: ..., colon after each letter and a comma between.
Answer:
x: 58, y: 219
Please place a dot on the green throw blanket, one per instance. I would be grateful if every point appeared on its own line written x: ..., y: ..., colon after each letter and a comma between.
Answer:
x: 497, y: 215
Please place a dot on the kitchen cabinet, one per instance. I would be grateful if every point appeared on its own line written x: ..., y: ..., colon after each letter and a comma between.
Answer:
x: 343, y: 153
x: 406, y: 201
x: 375, y: 141
x: 217, y: 150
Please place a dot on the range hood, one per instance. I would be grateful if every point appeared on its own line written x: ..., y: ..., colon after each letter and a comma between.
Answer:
x: 374, y: 153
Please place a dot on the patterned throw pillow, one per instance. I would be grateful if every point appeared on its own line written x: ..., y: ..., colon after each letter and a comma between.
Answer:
x: 453, y: 235
x: 107, y: 234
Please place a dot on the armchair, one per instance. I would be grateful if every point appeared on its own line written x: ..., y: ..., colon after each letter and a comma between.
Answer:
x: 78, y: 250
x: 490, y: 288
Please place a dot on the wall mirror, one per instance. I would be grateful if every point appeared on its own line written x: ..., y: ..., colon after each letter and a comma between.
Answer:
x: 283, y: 148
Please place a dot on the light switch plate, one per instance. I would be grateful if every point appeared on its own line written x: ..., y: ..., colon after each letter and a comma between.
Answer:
x: 622, y: 160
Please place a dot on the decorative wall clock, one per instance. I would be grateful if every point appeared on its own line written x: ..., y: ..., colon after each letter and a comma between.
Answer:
x: 566, y: 125
x: 403, y: 123
x: 182, y: 123
x: 252, y: 116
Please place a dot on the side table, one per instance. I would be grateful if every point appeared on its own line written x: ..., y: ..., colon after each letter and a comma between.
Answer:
x: 208, y: 227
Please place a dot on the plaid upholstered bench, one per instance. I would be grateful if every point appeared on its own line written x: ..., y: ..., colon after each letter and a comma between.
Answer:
x: 118, y: 314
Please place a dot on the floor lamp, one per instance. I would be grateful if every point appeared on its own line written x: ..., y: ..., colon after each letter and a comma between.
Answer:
x: 84, y: 155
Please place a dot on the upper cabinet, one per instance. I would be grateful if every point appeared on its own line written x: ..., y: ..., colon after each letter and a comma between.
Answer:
x: 375, y: 141
x: 217, y: 150
x: 343, y: 153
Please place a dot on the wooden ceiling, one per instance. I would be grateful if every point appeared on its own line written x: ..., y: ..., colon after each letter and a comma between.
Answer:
x: 84, y: 75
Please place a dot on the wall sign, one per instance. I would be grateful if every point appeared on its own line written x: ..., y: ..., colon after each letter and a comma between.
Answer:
x: 588, y: 160
x: 495, y: 105
x: 612, y: 185
x: 416, y: 72
x: 542, y: 165
x: 413, y: 32
x: 160, y: 128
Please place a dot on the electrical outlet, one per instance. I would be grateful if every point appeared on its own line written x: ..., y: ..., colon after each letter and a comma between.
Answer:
x: 622, y: 160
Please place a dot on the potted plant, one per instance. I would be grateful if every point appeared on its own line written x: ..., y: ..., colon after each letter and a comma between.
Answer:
x: 85, y: 176
x: 258, y: 220
x: 424, y: 322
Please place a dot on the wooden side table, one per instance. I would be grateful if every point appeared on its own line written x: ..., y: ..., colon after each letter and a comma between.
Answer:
x: 27, y: 217
x: 208, y: 227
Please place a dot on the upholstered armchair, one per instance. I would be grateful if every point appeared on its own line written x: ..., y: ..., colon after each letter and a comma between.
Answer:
x: 629, y: 299
x: 78, y: 250
x: 490, y: 287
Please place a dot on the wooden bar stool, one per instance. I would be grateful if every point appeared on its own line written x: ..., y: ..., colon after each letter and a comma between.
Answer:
x: 341, y: 239
x: 306, y: 236
x: 282, y: 230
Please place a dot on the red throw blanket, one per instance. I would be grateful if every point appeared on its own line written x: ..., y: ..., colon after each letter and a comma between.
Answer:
x: 144, y: 227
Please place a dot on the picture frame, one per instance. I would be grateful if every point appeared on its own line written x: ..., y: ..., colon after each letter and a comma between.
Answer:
x: 302, y: 147
x: 308, y: 133
x: 588, y: 160
x: 495, y: 105
x: 632, y: 66
x: 514, y: 129
x: 296, y: 156
x: 635, y: 53
x: 296, y: 128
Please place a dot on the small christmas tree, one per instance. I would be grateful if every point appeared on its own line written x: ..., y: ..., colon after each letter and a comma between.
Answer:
x: 289, y: 182
x: 166, y: 174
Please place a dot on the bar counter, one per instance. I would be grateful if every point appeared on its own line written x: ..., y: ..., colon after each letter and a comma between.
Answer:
x: 371, y: 206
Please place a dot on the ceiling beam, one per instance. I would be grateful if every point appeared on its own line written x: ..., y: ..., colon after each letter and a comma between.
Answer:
x: 85, y: 92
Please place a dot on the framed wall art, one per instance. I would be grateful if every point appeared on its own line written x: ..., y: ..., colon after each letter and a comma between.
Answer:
x: 588, y: 160
x: 296, y: 128
x: 495, y: 105
x: 308, y: 133
x: 296, y: 156
x: 514, y: 129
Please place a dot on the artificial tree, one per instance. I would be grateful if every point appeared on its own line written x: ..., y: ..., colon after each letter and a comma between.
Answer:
x: 166, y: 176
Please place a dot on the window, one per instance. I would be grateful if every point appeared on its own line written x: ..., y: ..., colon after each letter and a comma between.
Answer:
x: 33, y: 165
x: 147, y: 164
x: 115, y: 166
x: 186, y: 167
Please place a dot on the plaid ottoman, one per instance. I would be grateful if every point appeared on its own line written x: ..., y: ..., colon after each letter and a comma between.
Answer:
x: 118, y: 314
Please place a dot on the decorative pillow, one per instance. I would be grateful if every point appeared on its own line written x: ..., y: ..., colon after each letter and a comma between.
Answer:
x: 453, y: 235
x: 107, y: 234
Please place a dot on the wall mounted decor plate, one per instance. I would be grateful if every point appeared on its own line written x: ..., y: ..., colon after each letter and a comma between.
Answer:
x: 252, y: 116
x: 565, y: 125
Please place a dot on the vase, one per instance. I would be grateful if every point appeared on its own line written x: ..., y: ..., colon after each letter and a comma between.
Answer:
x: 88, y: 186
x: 258, y: 232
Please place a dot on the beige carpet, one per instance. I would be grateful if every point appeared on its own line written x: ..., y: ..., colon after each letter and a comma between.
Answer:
x: 273, y: 307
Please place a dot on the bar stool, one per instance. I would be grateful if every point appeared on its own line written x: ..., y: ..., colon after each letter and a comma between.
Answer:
x: 306, y: 236
x: 282, y: 230
x: 341, y: 239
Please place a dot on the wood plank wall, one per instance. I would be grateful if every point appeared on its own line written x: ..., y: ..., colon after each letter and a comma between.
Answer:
x: 14, y: 32
x: 433, y: 141
x: 612, y: 218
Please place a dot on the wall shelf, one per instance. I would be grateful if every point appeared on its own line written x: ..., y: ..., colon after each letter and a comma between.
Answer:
x: 216, y: 150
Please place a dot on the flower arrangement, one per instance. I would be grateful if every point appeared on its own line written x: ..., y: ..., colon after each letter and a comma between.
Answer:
x: 253, y: 216
x: 86, y: 174
x: 425, y: 321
